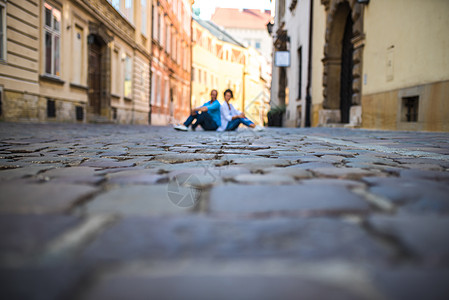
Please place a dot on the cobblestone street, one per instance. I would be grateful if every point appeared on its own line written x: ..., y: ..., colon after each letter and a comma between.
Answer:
x: 139, y: 212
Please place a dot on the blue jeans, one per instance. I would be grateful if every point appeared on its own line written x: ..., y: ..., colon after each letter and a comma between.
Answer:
x: 203, y: 119
x: 233, y: 124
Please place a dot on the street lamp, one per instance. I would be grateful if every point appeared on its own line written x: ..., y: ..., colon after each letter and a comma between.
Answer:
x: 363, y: 1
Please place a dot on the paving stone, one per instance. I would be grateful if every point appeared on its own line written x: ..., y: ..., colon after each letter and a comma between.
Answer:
x: 424, y: 236
x: 41, y: 198
x: 106, y: 163
x: 144, y: 176
x: 81, y: 175
x: 285, y: 198
x: 25, y: 235
x: 346, y: 173
x: 333, y: 182
x: 424, y: 174
x: 135, y: 200
x: 264, y: 179
x: 293, y: 171
x: 39, y: 283
x: 303, y: 239
x: 173, y: 158
x: 147, y: 283
x: 260, y: 163
x: 27, y: 171
x: 413, y: 196
x: 413, y: 283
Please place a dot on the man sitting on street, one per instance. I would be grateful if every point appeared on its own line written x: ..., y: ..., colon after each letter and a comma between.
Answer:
x: 207, y: 115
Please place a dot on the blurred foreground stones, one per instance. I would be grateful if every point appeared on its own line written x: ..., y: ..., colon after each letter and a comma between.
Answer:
x: 138, y: 212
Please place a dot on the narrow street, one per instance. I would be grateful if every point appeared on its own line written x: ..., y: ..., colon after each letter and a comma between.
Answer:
x: 139, y: 212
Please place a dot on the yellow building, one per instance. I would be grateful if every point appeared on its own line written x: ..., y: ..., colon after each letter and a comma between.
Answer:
x: 220, y: 62
x: 399, y: 64
x: 73, y: 60
x: 374, y: 64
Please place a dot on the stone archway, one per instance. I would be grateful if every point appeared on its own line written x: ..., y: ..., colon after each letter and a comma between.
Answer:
x: 342, y: 99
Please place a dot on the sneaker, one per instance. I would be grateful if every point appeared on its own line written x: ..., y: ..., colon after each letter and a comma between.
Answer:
x: 180, y: 127
x: 259, y: 128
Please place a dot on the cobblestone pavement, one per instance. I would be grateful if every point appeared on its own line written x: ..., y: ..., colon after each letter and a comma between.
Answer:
x: 138, y: 212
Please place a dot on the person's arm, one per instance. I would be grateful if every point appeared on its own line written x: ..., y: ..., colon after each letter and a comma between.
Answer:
x: 236, y: 114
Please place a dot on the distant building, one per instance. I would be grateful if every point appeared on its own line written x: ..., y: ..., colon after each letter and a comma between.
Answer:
x: 249, y: 26
x: 221, y: 62
x: 374, y: 64
x: 74, y: 60
x: 171, y: 61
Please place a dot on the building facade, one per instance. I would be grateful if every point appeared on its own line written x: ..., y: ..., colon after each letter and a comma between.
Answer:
x: 221, y: 62
x: 248, y: 26
x: 373, y: 64
x: 76, y: 60
x: 171, y: 61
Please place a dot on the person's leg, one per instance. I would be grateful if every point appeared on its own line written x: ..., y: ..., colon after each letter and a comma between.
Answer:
x: 233, y: 124
x: 248, y: 122
x: 206, y: 122
x: 190, y: 120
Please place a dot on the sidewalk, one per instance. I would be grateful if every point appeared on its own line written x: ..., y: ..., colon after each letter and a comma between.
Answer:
x: 138, y: 212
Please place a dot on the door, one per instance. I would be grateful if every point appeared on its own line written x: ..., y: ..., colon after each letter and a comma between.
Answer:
x: 346, y: 71
x: 95, y: 78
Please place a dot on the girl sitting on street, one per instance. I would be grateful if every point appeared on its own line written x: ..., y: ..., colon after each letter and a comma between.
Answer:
x: 232, y: 118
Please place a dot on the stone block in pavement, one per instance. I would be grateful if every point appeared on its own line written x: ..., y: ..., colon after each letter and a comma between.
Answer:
x: 346, y: 173
x: 25, y: 235
x: 425, y: 236
x: 143, y: 176
x: 412, y: 283
x: 264, y: 179
x: 135, y: 200
x: 198, y: 236
x: 72, y: 175
x: 413, y: 195
x: 106, y: 163
x: 42, y: 198
x: 174, y: 158
x: 284, y: 198
x: 260, y: 163
x: 26, y: 171
x: 233, y: 282
x: 292, y: 171
x: 333, y: 182
x: 41, y: 282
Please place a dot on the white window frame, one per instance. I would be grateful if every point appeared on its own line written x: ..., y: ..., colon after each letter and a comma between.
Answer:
x: 53, y: 34
x: 128, y: 59
x: 143, y: 20
x: 3, y: 28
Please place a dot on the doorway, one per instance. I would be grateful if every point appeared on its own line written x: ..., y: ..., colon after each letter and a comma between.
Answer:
x: 94, y: 75
x: 346, y: 71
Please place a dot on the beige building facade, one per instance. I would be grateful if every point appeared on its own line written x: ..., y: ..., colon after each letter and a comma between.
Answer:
x: 374, y: 64
x: 76, y: 61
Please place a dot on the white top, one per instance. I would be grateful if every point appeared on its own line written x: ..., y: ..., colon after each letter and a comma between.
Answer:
x: 227, y: 112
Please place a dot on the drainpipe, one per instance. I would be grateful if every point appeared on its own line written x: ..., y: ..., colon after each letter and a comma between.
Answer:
x: 309, y: 68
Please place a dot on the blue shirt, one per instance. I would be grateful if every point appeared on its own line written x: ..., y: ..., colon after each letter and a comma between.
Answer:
x: 214, y: 111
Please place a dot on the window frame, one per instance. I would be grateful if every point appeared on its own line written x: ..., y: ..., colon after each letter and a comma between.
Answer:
x: 3, y: 39
x: 53, y: 33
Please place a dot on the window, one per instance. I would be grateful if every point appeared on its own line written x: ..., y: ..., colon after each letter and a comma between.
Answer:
x: 161, y: 28
x: 143, y: 4
x: 128, y: 77
x: 168, y: 40
x: 77, y: 55
x: 116, y: 4
x: 158, y: 87
x: 155, y: 21
x: 192, y: 73
x: 79, y: 111
x: 52, y: 29
x: 153, y: 87
x: 115, y: 72
x: 410, y: 107
x: 199, y: 76
x: 300, y: 73
x: 128, y: 11
x: 167, y: 92
x: 258, y: 45
x: 51, y: 108
x: 1, y: 100
x: 2, y: 32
